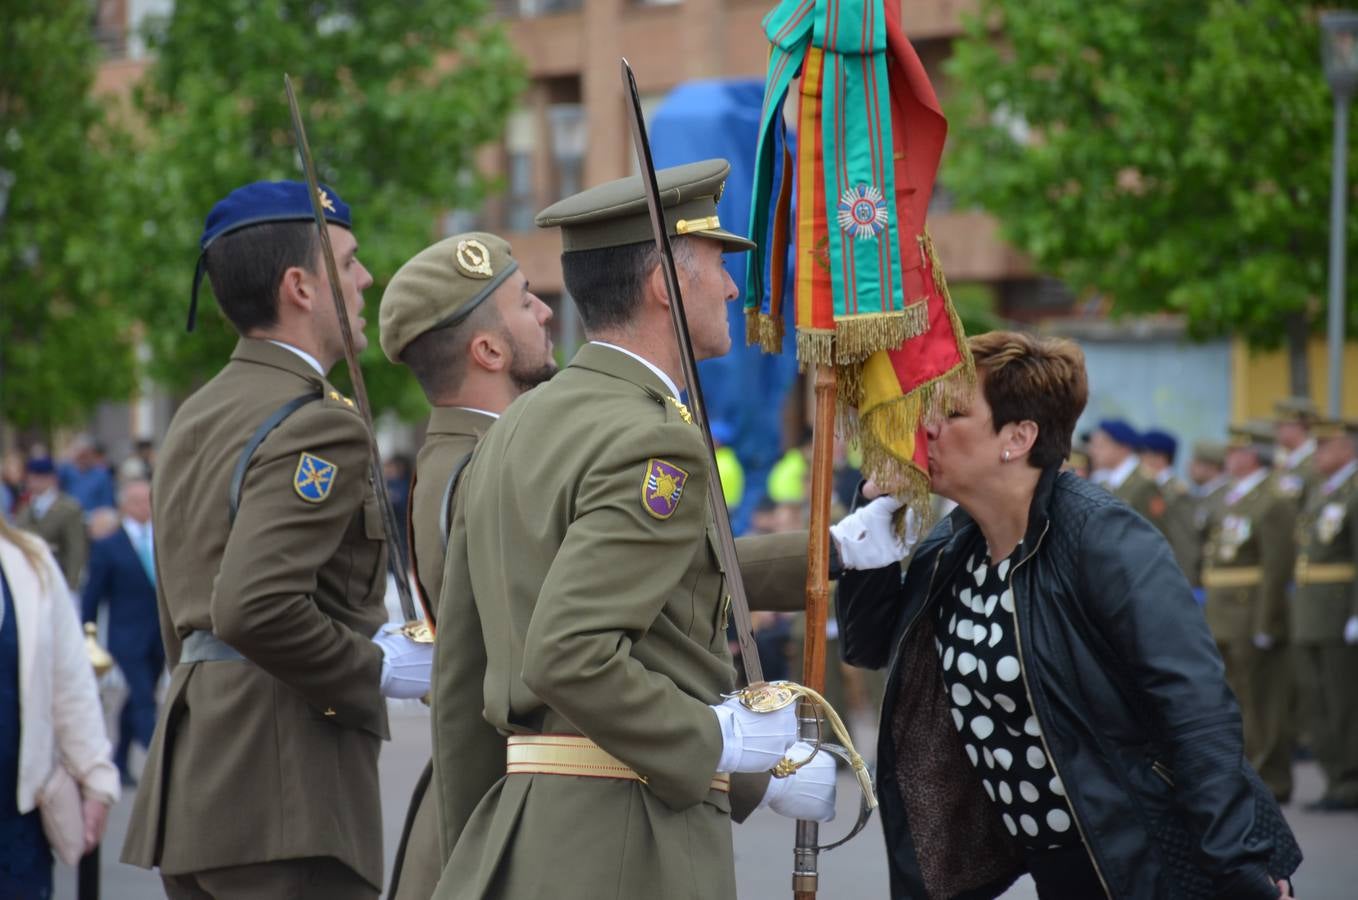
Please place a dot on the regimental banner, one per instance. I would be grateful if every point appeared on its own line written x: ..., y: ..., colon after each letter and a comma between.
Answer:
x: 867, y: 293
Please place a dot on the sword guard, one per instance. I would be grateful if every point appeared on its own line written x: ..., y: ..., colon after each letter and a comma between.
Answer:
x: 418, y: 630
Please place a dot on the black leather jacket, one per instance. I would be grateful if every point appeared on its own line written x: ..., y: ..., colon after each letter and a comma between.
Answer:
x: 1127, y: 684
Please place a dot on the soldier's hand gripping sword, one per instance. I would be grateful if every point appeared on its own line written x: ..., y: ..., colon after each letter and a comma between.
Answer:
x: 758, y: 695
x: 415, y: 628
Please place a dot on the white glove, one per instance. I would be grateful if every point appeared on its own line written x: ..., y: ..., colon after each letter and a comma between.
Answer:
x: 866, y: 539
x: 809, y: 792
x: 1351, y: 630
x: 405, y: 664
x: 751, y: 741
x: 1263, y: 641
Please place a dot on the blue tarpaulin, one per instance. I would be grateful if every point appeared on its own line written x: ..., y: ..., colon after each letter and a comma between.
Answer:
x: 745, y: 389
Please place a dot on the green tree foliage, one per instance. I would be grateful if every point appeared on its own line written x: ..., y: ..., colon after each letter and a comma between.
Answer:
x: 396, y: 97
x: 1174, y: 156
x: 63, y: 335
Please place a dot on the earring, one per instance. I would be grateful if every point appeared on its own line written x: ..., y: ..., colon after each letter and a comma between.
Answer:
x: 1006, y: 456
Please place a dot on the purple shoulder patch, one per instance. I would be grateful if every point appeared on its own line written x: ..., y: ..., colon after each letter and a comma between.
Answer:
x: 662, y: 487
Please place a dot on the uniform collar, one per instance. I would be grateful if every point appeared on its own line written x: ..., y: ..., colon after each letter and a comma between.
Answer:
x: 1117, y: 476
x: 610, y: 359
x: 1296, y: 457
x: 314, y: 362
x: 279, y: 356
x: 459, y: 420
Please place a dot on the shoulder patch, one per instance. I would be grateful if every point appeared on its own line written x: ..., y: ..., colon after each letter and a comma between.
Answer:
x: 662, y: 487
x: 314, y: 478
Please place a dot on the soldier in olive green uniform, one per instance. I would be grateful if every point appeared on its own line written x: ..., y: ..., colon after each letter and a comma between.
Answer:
x: 1158, y: 449
x: 261, y: 780
x: 1295, y: 460
x: 56, y: 518
x: 1325, y: 613
x: 461, y: 316
x: 1248, y: 563
x: 1117, y: 467
x: 1206, y: 471
x: 583, y: 533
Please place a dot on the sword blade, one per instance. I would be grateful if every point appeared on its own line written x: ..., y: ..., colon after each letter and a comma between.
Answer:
x: 726, y: 542
x: 396, y: 562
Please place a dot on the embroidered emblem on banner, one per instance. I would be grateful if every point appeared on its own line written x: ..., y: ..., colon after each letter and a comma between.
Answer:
x: 314, y: 478
x: 862, y: 212
x: 662, y: 488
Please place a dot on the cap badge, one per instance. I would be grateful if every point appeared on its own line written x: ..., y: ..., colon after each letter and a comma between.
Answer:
x: 662, y: 488
x: 326, y: 203
x: 689, y: 226
x: 683, y: 410
x: 314, y: 478
x: 862, y: 212
x: 474, y: 259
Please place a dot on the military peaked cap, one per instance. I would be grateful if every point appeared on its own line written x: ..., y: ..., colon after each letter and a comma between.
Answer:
x: 614, y: 214
x: 257, y: 204
x: 1295, y: 409
x: 441, y: 286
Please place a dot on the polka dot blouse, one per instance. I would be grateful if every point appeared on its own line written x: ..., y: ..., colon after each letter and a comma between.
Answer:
x: 977, y: 647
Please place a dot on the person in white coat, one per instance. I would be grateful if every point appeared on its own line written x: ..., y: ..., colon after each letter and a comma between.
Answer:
x: 49, y: 716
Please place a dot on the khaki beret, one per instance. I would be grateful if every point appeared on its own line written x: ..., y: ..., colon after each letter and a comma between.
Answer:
x: 614, y: 214
x: 1295, y: 409
x: 440, y: 286
x: 1254, y: 434
x: 1325, y: 428
x: 1210, y: 452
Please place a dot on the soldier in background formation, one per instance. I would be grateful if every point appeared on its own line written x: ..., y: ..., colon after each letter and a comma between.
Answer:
x: 1263, y: 533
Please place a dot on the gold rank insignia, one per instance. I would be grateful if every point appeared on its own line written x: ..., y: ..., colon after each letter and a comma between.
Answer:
x: 314, y: 478
x: 340, y: 398
x: 683, y: 410
x: 326, y: 203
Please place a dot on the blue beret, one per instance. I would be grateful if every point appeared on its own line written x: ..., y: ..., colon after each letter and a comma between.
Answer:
x: 1158, y: 441
x: 1120, y: 431
x: 257, y: 204
x: 41, y: 465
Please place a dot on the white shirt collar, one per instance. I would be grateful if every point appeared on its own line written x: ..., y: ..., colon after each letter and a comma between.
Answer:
x: 669, y: 383
x: 1115, y: 477
x: 1298, y: 456
x: 1208, y: 487
x: 1163, y: 477
x: 1245, y: 485
x: 1339, y: 478
x: 136, y: 530
x: 43, y: 502
x: 484, y: 412
x: 311, y: 360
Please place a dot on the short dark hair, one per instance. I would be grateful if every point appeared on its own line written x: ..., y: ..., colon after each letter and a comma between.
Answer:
x: 438, y: 358
x: 606, y: 284
x: 246, y: 267
x: 1037, y: 379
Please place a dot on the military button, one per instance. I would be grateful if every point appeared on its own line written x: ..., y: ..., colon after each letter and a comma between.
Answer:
x: 329, y: 711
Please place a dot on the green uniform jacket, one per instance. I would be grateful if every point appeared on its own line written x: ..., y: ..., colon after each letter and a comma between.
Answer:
x: 1203, y: 506
x: 1254, y: 533
x: 604, y: 611
x: 1139, y: 491
x: 1327, y: 535
x: 1298, y: 480
x: 480, y: 750
x: 1176, y: 524
x: 275, y: 757
x: 63, y: 528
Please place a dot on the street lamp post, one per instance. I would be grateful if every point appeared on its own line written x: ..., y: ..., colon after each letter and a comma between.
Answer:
x: 1339, y: 49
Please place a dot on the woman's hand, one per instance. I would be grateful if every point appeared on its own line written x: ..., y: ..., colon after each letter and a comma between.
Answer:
x: 96, y: 817
x: 1283, y: 889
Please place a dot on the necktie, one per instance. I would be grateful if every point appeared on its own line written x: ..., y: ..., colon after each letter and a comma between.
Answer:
x: 147, y: 554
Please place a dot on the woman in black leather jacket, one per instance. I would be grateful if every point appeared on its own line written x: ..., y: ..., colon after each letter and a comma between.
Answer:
x: 1054, y: 702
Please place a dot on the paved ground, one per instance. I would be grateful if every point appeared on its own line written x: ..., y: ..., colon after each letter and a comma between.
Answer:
x: 764, y: 845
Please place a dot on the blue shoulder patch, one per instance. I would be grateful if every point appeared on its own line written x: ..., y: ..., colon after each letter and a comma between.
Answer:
x: 314, y: 478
